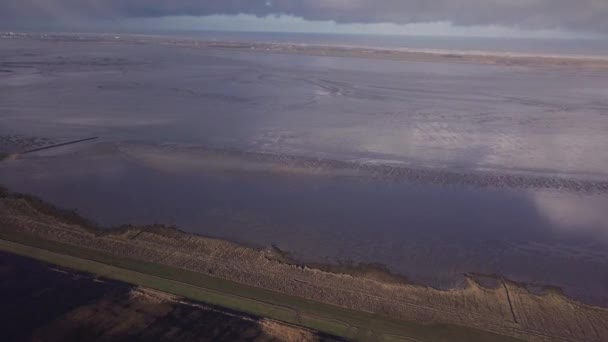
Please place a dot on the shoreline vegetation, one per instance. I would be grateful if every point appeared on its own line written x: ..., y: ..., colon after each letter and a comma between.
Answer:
x: 322, y: 50
x: 351, y: 301
x: 51, y: 300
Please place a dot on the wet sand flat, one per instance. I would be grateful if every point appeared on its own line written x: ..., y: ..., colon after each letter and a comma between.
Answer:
x: 432, y: 167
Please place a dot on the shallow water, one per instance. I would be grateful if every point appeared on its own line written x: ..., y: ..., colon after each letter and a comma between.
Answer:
x: 425, y: 114
x: 432, y: 169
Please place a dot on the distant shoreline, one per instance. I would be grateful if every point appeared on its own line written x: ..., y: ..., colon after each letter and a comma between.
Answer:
x: 337, y: 50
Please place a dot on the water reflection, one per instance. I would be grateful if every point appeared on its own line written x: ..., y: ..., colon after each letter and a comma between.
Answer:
x: 433, y: 233
x: 574, y: 213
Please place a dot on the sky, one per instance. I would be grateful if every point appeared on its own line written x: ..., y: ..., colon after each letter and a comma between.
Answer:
x: 520, y: 18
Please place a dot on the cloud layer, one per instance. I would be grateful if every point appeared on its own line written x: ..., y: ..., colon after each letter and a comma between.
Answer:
x: 585, y: 15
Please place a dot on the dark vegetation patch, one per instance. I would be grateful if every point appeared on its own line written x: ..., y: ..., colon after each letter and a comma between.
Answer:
x: 49, y: 303
x: 33, y: 294
x: 64, y: 215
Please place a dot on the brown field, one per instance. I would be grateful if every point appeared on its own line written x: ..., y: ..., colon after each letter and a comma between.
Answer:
x: 509, y: 309
x: 44, y: 302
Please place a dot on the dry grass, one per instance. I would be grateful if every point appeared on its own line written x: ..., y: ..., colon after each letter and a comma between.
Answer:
x: 547, y: 317
x: 286, y: 333
x: 148, y: 315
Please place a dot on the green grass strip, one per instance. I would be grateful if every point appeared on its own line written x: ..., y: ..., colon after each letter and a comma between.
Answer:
x: 260, y: 302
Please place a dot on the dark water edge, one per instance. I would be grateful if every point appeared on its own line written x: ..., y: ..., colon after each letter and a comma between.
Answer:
x: 376, y: 271
x: 323, y: 213
x: 25, y: 304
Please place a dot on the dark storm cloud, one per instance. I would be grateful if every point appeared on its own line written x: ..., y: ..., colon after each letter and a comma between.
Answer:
x: 590, y: 15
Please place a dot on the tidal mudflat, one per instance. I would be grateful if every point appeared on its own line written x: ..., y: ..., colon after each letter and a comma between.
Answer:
x: 432, y: 168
